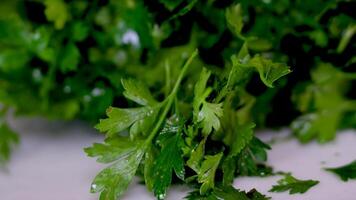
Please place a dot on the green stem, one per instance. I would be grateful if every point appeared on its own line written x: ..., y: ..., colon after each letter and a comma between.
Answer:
x: 170, y: 99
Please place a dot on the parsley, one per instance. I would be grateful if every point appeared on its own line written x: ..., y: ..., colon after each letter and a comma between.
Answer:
x: 114, y: 180
x: 227, y: 193
x: 8, y: 138
x: 206, y: 173
x: 345, y: 172
x: 128, y: 59
x: 169, y: 159
x: 293, y: 185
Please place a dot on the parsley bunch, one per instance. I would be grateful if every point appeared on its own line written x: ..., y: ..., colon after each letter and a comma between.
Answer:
x: 171, y: 135
x: 173, y: 114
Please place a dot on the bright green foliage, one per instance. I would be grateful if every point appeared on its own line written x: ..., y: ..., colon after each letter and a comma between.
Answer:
x: 126, y: 153
x: 293, y: 185
x: 324, y: 103
x: 75, y: 59
x: 196, y: 157
x: 345, y: 172
x: 168, y: 160
x: 113, y: 181
x: 209, y: 116
x: 121, y: 119
x: 8, y: 138
x: 243, y: 138
x: 205, y: 113
x: 234, y: 18
x: 269, y: 71
x: 57, y: 12
x: 114, y: 148
x: 137, y: 92
x: 206, y: 173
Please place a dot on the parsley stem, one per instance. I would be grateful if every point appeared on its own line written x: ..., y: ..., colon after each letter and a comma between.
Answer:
x: 170, y: 99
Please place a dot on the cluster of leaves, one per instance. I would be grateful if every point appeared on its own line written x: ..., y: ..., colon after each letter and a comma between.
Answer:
x: 73, y: 59
x: 168, y: 138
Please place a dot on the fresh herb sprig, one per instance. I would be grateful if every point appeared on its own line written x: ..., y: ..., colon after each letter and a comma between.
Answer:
x: 164, y: 139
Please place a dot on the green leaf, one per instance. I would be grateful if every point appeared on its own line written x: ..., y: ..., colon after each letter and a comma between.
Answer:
x: 243, y: 65
x: 234, y: 19
x: 209, y: 117
x: 229, y: 169
x: 137, y: 92
x: 149, y: 162
x: 8, y: 138
x: 200, y: 91
x: 121, y: 119
x: 251, y: 158
x: 293, y: 185
x: 57, y: 12
x: 113, y: 181
x: 323, y: 103
x: 243, y: 136
x: 268, y: 70
x: 70, y: 58
x: 206, y: 174
x: 196, y: 156
x: 168, y: 160
x: 115, y: 148
x: 345, y: 172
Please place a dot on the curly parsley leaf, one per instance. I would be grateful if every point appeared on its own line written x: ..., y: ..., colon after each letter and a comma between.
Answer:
x: 206, y: 174
x: 345, y: 172
x: 114, y: 180
x: 293, y: 185
x: 168, y: 160
x: 8, y: 138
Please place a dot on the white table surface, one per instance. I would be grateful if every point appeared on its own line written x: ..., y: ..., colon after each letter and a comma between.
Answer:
x: 50, y: 164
